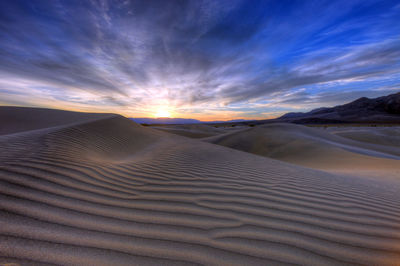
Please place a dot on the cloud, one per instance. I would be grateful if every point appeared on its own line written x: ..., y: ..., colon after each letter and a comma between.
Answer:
x: 194, y: 54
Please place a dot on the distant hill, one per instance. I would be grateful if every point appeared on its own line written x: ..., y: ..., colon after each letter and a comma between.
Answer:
x: 227, y: 121
x: 385, y: 109
x: 166, y: 120
x: 176, y: 121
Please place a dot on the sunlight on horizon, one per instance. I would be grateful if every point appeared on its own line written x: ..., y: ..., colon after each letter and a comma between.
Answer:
x: 162, y: 112
x: 223, y: 61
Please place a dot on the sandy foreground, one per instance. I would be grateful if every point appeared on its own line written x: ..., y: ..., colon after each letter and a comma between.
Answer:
x: 98, y: 189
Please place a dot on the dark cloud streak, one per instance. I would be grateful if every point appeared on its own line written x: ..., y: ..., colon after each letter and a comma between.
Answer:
x: 196, y: 51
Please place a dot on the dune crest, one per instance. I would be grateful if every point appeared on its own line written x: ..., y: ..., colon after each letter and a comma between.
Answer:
x: 110, y: 192
x: 315, y: 148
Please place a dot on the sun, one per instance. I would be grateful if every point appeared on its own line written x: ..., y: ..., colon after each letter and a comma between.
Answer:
x: 162, y: 112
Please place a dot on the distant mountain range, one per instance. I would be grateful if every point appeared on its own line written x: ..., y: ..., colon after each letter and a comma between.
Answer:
x: 385, y: 109
x: 170, y: 121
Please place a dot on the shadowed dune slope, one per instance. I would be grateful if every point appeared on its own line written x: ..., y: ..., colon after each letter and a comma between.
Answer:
x: 103, y: 139
x: 110, y: 192
x: 315, y: 148
x: 17, y: 119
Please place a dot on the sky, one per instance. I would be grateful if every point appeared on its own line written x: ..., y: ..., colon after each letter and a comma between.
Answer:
x: 208, y: 60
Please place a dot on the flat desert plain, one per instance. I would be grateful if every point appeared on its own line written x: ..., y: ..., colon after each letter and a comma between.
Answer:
x: 98, y: 189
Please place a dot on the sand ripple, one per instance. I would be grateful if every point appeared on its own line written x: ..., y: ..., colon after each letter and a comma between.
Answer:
x: 109, y: 192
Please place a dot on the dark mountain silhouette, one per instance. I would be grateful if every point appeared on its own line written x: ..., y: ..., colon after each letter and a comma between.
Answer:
x: 385, y: 109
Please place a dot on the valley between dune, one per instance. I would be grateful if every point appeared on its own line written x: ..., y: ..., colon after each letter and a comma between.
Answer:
x: 100, y: 189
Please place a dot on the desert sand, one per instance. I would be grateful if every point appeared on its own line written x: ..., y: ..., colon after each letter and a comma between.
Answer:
x: 98, y: 189
x: 382, y: 135
x: 365, y: 151
x: 196, y: 131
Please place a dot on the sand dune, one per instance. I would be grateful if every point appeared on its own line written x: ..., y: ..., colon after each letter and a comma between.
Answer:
x: 315, y: 148
x: 193, y: 131
x: 110, y: 192
x: 18, y: 119
x: 389, y: 136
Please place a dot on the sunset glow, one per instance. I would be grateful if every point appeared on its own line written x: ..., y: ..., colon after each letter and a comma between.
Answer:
x: 162, y: 112
x: 217, y: 60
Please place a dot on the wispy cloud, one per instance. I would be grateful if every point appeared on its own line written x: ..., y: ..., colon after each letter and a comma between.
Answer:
x: 220, y: 56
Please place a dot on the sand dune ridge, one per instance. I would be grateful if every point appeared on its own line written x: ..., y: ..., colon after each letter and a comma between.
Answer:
x: 108, y: 191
